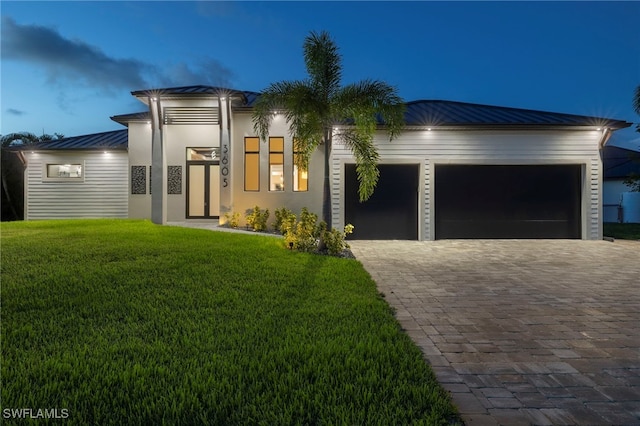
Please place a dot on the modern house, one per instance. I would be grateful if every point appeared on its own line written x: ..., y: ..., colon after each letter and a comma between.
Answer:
x: 458, y: 170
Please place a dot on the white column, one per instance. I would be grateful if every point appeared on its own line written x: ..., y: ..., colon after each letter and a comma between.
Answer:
x: 226, y: 195
x: 158, y: 165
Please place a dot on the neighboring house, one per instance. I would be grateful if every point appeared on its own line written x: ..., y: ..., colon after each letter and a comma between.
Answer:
x: 458, y: 170
x: 618, y: 164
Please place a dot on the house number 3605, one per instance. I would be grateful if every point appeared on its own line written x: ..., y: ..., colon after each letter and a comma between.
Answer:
x: 225, y: 165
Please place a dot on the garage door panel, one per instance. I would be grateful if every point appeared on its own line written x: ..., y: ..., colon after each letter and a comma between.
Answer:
x: 392, y: 210
x: 473, y: 201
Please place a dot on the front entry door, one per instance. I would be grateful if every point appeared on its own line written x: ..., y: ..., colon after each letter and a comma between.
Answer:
x: 203, y: 190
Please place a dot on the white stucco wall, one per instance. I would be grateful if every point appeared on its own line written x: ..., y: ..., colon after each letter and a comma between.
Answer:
x: 139, y: 155
x: 177, y: 139
x: 244, y: 200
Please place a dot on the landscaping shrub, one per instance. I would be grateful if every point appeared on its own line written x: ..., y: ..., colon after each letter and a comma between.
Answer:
x: 303, y: 235
x: 257, y: 219
x: 334, y: 240
x: 232, y: 219
x: 306, y: 234
x: 285, y: 219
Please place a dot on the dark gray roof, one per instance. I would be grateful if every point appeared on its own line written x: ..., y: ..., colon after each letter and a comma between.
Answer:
x: 449, y: 113
x: 117, y: 139
x: 136, y: 116
x: 426, y: 113
x: 618, y: 162
x: 248, y: 97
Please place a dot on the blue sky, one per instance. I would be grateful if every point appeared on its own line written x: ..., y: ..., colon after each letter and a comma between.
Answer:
x: 68, y: 66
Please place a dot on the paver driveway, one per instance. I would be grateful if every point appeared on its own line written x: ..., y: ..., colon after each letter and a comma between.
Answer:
x: 543, y: 332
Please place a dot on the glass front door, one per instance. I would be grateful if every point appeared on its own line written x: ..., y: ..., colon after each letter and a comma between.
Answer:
x: 203, y: 183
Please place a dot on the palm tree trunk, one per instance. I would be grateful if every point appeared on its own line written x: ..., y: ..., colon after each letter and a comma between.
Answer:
x: 326, y: 191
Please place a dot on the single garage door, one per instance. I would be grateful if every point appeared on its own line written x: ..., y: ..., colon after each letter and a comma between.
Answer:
x: 525, y: 201
x: 392, y: 211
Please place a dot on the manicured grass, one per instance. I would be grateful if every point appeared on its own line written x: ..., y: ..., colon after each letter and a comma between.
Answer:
x: 623, y: 231
x: 125, y: 322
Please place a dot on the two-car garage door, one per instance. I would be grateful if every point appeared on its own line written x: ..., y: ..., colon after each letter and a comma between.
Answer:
x: 474, y: 201
x: 471, y: 201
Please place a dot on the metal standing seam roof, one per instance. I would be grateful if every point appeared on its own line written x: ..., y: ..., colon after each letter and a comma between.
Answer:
x: 426, y: 113
x: 451, y: 113
x: 124, y: 119
x: 114, y: 140
x: 247, y: 96
x: 422, y: 113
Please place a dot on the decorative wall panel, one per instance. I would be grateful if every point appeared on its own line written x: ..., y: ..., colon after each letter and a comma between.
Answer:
x: 138, y: 179
x: 174, y: 179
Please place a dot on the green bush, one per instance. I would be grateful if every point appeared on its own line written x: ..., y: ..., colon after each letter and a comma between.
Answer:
x: 285, y: 219
x: 303, y: 235
x: 306, y: 234
x: 232, y: 219
x: 257, y: 219
x: 334, y: 240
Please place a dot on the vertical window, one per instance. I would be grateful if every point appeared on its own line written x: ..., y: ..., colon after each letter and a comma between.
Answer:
x: 300, y: 175
x: 252, y: 164
x: 276, y: 164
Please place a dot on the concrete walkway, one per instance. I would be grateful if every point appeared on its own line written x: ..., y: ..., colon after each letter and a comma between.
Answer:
x: 521, y: 332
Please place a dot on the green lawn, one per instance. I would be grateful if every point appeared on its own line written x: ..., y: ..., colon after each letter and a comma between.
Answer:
x: 622, y: 231
x: 125, y: 322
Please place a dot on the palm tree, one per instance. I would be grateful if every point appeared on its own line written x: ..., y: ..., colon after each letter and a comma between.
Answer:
x: 315, y: 106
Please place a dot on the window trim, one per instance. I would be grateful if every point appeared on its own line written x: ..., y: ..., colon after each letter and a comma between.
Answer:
x: 244, y: 157
x: 62, y: 162
x: 213, y: 160
x: 273, y: 152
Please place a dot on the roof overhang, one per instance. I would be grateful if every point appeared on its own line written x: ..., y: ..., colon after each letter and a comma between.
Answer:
x: 190, y: 92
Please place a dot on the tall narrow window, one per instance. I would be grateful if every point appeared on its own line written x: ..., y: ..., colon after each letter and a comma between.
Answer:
x: 276, y: 164
x: 300, y: 174
x: 252, y: 164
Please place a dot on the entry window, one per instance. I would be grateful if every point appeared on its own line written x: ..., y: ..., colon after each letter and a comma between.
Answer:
x: 276, y: 164
x: 251, y: 164
x: 203, y: 154
x: 300, y: 175
x: 64, y: 171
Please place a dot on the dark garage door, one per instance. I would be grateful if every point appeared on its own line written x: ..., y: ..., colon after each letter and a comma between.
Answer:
x: 473, y: 201
x: 392, y: 211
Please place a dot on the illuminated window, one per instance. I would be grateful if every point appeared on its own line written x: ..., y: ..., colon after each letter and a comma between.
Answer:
x: 203, y: 154
x: 64, y: 171
x: 276, y: 164
x: 300, y: 175
x: 251, y: 164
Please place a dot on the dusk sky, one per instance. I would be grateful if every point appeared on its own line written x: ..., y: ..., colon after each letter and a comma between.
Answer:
x: 68, y: 66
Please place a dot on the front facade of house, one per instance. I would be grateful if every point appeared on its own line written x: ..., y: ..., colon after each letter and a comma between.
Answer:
x: 457, y: 171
